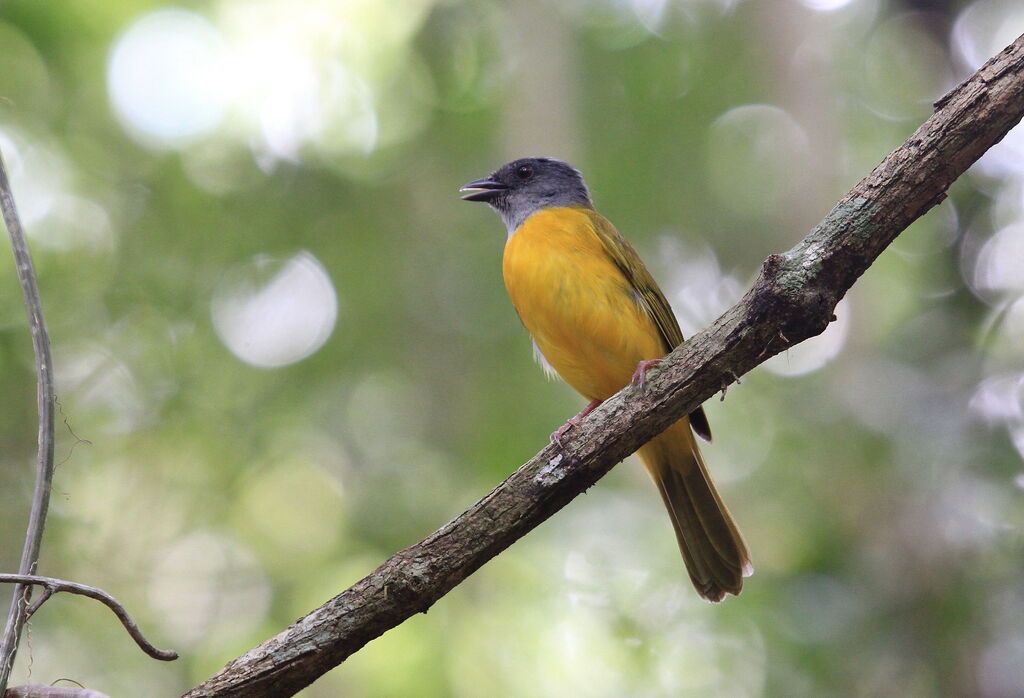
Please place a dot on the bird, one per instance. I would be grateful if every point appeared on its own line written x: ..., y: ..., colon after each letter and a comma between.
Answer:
x: 598, y: 319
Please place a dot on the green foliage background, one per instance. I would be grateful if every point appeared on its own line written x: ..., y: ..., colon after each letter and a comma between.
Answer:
x: 874, y: 471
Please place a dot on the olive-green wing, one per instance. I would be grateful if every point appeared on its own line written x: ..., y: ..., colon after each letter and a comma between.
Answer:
x: 649, y: 296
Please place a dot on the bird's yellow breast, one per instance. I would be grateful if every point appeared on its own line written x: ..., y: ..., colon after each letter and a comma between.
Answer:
x: 580, y: 309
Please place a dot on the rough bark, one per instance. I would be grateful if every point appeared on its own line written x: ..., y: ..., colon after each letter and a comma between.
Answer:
x: 792, y: 299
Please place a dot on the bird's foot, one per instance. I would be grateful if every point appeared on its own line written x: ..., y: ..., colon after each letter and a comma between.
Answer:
x: 640, y: 375
x: 556, y: 436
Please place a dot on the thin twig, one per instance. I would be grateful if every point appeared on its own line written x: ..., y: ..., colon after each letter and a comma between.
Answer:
x: 44, y: 691
x: 53, y: 586
x: 793, y: 299
x: 44, y: 398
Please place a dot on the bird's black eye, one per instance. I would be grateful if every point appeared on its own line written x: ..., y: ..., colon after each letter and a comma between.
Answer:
x: 524, y: 171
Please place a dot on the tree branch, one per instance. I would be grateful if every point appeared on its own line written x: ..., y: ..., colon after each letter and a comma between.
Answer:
x: 53, y: 586
x: 17, y: 615
x: 792, y: 299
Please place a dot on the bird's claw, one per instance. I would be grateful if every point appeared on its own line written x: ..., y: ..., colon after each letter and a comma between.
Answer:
x: 556, y: 436
x: 640, y: 374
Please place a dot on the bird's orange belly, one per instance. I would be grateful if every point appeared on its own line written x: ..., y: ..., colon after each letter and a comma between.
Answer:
x: 577, y: 305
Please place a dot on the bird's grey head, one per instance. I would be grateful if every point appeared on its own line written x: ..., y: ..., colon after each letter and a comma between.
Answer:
x: 522, y: 187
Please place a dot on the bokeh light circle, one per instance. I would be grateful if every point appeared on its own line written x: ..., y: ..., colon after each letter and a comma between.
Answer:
x: 1000, y: 265
x: 755, y: 156
x: 165, y: 78
x: 271, y: 313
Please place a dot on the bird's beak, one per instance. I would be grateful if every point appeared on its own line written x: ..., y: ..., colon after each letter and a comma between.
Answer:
x: 482, y: 190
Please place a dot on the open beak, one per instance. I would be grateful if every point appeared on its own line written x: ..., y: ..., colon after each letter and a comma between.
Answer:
x: 482, y: 190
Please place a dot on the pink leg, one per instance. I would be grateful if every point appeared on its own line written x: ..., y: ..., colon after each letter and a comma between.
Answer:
x: 556, y: 436
x: 640, y: 375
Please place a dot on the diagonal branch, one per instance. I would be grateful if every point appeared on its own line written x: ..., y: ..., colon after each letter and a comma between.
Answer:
x: 18, y: 614
x: 792, y: 300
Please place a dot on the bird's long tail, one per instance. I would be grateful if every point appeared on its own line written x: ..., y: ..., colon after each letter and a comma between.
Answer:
x: 713, y: 549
